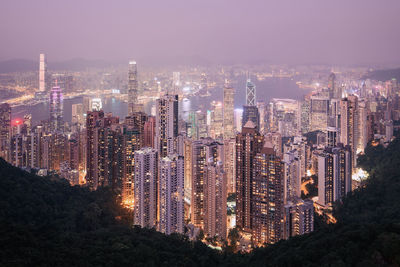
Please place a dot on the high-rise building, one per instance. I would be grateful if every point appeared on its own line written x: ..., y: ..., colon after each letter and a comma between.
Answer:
x: 217, y: 120
x: 266, y: 200
x: 145, y: 186
x: 319, y: 113
x: 292, y: 176
x: 133, y: 104
x: 56, y: 109
x: 349, y: 128
x: 77, y: 114
x: 149, y: 131
x: 166, y: 125
x: 298, y: 217
x: 333, y: 91
x: 228, y: 107
x: 334, y: 174
x: 42, y: 73
x: 248, y: 143
x: 5, y: 131
x: 250, y: 93
x: 171, y: 194
x: 215, y: 199
x: 202, y: 150
x: 238, y: 119
x: 250, y: 113
x: 230, y: 164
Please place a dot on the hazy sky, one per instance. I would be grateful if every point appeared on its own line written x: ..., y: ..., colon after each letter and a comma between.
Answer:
x: 280, y: 31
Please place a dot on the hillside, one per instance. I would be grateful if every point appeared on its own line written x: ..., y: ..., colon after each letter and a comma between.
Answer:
x: 383, y: 75
x: 46, y: 222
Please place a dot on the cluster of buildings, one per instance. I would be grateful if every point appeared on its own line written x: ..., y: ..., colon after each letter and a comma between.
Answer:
x: 176, y: 174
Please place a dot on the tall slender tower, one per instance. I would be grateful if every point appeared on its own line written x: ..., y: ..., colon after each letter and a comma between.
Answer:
x: 250, y: 93
x: 166, y: 125
x: 228, y: 107
x: 349, y: 129
x: 42, y: 73
x: 133, y: 104
x: 5, y: 130
x: 248, y: 143
x: 171, y: 194
x: 56, y: 108
x: 146, y: 187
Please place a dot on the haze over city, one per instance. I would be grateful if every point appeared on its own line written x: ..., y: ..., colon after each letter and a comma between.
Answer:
x: 199, y: 133
x: 177, y: 31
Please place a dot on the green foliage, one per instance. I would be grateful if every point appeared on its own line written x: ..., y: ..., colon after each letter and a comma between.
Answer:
x: 46, y: 222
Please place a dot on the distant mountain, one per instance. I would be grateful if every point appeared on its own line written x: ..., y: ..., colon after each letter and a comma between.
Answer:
x: 77, y: 64
x: 383, y: 75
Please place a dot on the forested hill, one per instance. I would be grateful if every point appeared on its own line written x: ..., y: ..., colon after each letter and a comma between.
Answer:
x: 46, y: 222
x: 383, y: 75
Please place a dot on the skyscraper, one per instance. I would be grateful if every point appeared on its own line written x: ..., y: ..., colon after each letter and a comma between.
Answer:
x: 56, y: 108
x: 248, y: 143
x: 334, y: 174
x: 266, y: 201
x: 166, y: 125
x: 5, y: 130
x: 171, y: 194
x: 228, y: 107
x: 133, y: 104
x: 349, y: 129
x: 250, y: 113
x: 42, y: 73
x: 250, y: 93
x: 215, y: 199
x: 146, y: 180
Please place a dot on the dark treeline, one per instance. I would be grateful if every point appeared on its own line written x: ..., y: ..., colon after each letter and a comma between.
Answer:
x: 46, y: 222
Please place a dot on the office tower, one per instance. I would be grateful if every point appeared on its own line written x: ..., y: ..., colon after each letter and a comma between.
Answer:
x: 334, y: 174
x: 266, y: 201
x: 230, y: 164
x: 201, y: 124
x: 202, y: 150
x: 333, y: 92
x: 248, y: 143
x: 215, y: 199
x: 319, y: 113
x: 166, y: 125
x: 250, y: 113
x: 298, y: 217
x: 93, y: 119
x: 42, y: 73
x: 133, y: 103
x: 292, y: 176
x: 145, y: 186
x: 217, y: 119
x: 238, y: 119
x: 228, y: 107
x: 77, y: 114
x: 262, y: 109
x: 349, y: 129
x: 56, y: 109
x: 250, y: 93
x: 5, y: 130
x: 176, y: 81
x: 305, y: 116
x: 149, y: 131
x: 171, y: 194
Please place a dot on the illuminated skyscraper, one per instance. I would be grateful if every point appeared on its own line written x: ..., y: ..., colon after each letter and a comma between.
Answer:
x: 215, y: 199
x: 248, y: 143
x: 334, y: 174
x: 250, y: 93
x: 266, y: 200
x: 349, y: 129
x: 228, y: 107
x: 166, y: 125
x: 42, y: 73
x: 171, y: 194
x: 146, y: 179
x: 133, y: 104
x: 56, y: 108
x: 5, y: 130
x: 250, y: 113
